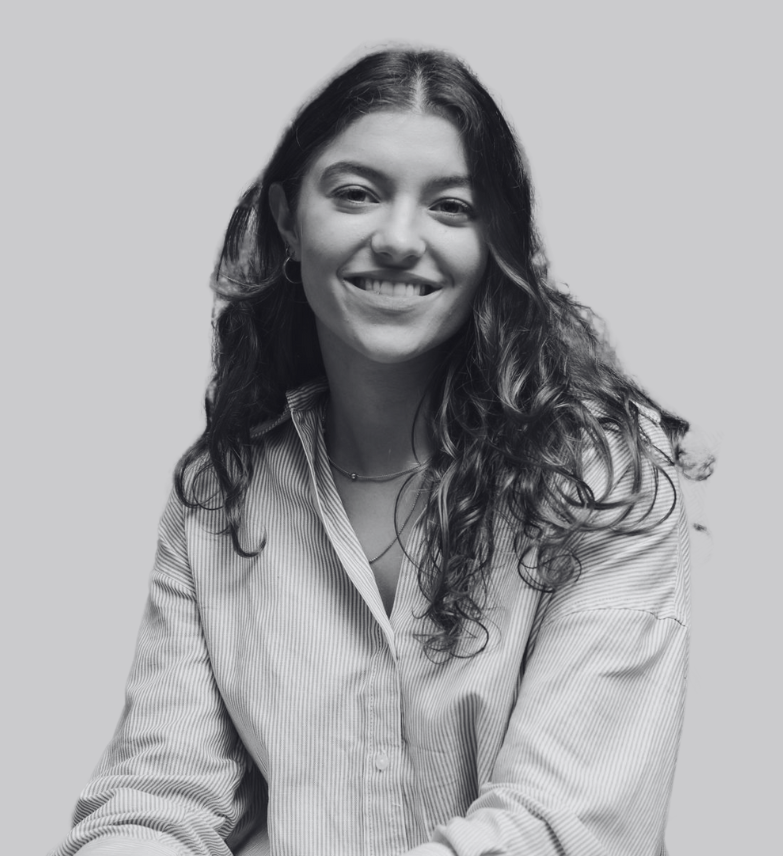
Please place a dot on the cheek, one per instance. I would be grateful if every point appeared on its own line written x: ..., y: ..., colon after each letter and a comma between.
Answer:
x: 466, y: 251
x: 317, y: 249
x: 326, y: 239
x: 473, y: 260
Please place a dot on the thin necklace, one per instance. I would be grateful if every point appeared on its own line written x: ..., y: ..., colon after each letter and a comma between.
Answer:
x: 384, y: 478
x: 396, y: 536
x: 355, y: 477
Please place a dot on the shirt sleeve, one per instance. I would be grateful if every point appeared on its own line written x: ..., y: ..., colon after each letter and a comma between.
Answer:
x: 175, y: 779
x: 587, y: 762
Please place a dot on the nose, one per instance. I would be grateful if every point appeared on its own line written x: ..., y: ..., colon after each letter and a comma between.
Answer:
x: 398, y: 238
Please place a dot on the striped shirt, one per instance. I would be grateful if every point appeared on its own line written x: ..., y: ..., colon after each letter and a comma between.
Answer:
x: 274, y: 707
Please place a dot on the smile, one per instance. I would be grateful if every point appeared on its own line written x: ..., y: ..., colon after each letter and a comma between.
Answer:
x: 415, y: 288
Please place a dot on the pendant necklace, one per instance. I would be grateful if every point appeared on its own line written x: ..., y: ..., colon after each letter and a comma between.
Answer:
x: 395, y: 539
x: 384, y: 478
x: 355, y: 477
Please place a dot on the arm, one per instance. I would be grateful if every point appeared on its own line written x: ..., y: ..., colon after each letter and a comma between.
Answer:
x: 587, y: 762
x: 174, y: 781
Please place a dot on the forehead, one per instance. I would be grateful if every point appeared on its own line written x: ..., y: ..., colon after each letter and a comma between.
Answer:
x: 399, y: 144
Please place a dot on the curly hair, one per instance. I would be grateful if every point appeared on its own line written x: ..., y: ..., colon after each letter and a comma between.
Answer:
x: 526, y: 390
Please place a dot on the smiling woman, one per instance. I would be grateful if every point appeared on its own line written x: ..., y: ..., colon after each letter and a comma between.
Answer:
x: 422, y: 583
x: 391, y: 249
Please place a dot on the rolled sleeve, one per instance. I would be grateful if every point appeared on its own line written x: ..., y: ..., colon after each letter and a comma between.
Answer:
x: 587, y: 762
x: 175, y: 778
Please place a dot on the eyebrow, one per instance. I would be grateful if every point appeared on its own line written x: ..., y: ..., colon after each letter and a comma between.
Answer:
x: 372, y: 174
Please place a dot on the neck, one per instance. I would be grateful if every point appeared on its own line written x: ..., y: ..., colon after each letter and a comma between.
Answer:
x: 376, y: 422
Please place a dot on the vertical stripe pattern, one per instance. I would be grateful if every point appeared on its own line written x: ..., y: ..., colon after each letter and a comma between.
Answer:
x: 274, y: 708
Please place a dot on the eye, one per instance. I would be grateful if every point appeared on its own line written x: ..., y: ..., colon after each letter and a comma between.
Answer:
x: 353, y: 195
x: 454, y: 210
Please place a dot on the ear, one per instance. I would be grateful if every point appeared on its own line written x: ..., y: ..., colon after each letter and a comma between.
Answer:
x: 286, y: 222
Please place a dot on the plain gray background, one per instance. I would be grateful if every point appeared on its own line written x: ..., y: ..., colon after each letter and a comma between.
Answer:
x: 130, y: 131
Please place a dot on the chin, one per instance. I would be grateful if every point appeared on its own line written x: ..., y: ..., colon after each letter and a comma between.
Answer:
x: 392, y: 357
x: 380, y: 344
x: 396, y: 353
x: 387, y: 349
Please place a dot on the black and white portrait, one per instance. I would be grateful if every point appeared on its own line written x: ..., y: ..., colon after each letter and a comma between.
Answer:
x: 389, y: 429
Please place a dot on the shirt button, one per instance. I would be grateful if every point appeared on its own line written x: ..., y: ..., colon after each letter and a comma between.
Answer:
x: 381, y: 760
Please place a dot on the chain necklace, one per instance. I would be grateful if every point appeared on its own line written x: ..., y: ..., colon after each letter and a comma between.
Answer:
x: 355, y: 477
x: 384, y: 478
x: 396, y: 537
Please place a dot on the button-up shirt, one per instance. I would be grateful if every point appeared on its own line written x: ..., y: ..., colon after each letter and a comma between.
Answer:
x: 273, y: 706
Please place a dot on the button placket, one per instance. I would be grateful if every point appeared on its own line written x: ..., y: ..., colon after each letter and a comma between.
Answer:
x: 386, y: 821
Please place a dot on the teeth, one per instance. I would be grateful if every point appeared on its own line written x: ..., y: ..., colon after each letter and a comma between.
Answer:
x: 392, y: 289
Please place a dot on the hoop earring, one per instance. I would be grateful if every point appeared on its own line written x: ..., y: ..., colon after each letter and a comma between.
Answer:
x: 289, y: 258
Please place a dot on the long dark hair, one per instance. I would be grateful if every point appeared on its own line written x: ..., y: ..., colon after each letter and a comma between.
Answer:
x: 525, y: 391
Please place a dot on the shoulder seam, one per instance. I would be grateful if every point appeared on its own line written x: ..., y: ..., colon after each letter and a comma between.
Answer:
x: 577, y: 611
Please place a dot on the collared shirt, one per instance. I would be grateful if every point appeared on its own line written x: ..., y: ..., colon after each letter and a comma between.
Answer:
x: 273, y: 706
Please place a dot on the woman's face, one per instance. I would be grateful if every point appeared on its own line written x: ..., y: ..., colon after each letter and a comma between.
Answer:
x: 391, y: 247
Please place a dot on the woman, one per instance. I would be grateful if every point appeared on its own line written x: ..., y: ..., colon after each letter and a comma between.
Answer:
x: 422, y: 583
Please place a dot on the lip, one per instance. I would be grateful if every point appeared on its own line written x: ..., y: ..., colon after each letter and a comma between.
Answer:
x: 394, y: 276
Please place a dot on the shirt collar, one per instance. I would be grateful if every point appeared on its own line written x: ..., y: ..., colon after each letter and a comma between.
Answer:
x: 301, y: 399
